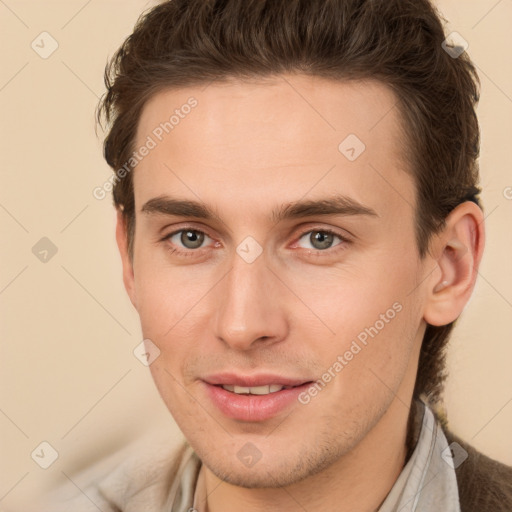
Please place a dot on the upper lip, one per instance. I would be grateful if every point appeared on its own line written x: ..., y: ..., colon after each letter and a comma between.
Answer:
x: 232, y: 379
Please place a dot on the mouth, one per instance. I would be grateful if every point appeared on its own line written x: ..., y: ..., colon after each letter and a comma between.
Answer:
x: 256, y: 398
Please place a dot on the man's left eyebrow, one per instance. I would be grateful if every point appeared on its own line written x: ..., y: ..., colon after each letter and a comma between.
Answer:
x: 336, y: 205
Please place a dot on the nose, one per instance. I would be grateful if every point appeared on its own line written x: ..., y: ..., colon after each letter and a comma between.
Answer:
x: 251, y: 310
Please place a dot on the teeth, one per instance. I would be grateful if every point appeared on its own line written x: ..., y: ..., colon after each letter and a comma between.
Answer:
x: 263, y: 390
x: 255, y: 390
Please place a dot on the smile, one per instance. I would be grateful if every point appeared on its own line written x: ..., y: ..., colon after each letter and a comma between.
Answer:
x: 253, y: 398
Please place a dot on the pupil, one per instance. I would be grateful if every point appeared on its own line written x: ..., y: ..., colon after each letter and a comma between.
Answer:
x: 321, y: 240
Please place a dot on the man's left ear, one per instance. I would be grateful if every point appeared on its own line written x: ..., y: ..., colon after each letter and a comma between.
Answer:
x: 458, y: 250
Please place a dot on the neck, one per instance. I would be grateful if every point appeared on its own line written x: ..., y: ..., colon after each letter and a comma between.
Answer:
x: 358, y: 481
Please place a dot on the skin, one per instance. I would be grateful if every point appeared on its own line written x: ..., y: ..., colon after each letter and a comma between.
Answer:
x: 246, y: 149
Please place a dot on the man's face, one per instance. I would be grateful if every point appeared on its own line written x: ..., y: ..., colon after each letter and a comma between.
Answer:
x: 251, y: 298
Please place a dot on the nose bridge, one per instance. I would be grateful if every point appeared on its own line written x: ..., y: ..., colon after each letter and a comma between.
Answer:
x: 249, y: 308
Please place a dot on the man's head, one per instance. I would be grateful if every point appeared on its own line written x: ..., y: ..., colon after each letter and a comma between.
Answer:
x: 330, y: 150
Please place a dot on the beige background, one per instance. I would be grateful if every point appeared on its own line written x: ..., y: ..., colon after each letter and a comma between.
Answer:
x: 68, y: 373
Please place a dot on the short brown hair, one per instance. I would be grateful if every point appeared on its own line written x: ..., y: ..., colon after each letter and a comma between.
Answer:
x: 182, y: 43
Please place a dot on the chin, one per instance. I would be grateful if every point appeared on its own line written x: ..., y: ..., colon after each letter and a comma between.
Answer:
x: 277, y: 472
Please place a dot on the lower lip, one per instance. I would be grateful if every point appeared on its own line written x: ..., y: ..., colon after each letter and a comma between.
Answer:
x: 253, y: 407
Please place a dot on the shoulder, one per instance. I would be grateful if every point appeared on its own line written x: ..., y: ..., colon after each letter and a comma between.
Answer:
x: 140, y: 475
x: 484, y: 483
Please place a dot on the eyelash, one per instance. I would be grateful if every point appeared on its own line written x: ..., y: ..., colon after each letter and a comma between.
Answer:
x: 189, y: 253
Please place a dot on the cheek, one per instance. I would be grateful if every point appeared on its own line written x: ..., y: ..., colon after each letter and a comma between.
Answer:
x: 380, y: 353
x: 171, y: 301
x: 363, y: 372
x: 176, y: 397
x: 373, y: 322
x: 166, y: 297
x: 349, y: 298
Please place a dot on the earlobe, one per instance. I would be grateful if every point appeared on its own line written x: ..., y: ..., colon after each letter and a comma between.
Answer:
x: 122, y: 244
x: 459, y: 249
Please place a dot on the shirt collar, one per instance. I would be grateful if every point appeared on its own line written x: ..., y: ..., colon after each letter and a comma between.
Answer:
x: 427, y: 481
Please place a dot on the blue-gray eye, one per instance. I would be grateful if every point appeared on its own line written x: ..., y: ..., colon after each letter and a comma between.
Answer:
x: 189, y: 238
x: 320, y: 239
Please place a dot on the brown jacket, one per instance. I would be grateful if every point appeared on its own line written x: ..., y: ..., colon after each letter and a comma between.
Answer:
x: 485, y: 485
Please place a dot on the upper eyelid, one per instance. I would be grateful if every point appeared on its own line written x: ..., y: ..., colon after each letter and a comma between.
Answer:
x: 323, y: 230
x: 186, y: 228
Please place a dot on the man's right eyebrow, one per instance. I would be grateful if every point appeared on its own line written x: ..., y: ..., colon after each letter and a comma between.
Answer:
x: 165, y: 205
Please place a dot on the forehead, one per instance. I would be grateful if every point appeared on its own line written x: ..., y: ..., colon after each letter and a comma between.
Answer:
x: 275, y: 139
